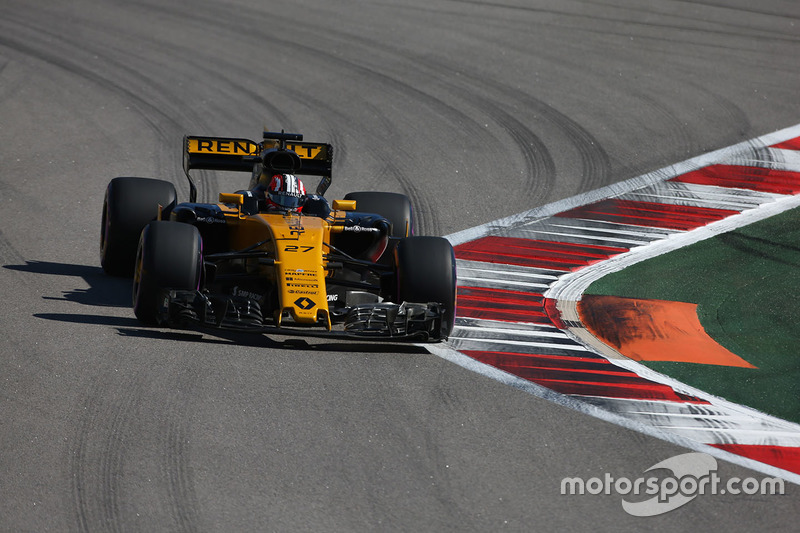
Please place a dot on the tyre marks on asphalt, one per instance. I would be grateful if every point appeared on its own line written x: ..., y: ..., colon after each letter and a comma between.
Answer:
x: 107, y: 462
x: 174, y: 429
x: 96, y: 464
x: 126, y: 72
x: 517, y: 311
x: 182, y: 497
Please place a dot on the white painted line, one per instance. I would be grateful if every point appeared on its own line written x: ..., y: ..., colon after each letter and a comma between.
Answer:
x: 546, y: 345
x: 506, y: 327
x: 694, y: 190
x: 502, y: 324
x: 510, y: 270
x: 785, y: 159
x: 712, y: 203
x: 741, y: 436
x: 616, y: 228
x: 554, y: 333
x: 486, y: 282
x: 619, y: 242
x: 718, y: 419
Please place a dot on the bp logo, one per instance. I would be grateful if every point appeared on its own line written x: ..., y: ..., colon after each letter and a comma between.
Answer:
x: 304, y: 303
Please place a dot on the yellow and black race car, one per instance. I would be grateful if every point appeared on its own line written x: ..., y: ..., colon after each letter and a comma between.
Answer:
x: 350, y: 267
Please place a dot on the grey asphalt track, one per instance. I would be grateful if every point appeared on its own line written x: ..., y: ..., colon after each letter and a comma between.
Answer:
x: 476, y: 110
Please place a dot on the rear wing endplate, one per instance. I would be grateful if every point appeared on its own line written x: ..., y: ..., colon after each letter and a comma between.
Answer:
x: 280, y: 152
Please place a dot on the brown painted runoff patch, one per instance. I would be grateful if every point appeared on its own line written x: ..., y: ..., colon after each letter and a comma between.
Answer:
x: 653, y: 330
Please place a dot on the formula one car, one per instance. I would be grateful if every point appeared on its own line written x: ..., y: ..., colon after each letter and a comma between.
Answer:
x: 346, y: 268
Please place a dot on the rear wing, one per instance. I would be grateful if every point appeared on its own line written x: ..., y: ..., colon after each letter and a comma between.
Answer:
x: 278, y: 152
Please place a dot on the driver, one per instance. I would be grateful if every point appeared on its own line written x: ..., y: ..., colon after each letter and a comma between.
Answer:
x: 285, y: 192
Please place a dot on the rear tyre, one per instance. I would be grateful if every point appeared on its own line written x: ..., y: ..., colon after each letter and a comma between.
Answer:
x: 129, y: 204
x: 394, y: 207
x: 169, y: 257
x: 426, y: 272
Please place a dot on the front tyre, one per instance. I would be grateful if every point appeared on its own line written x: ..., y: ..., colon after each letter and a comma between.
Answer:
x: 426, y: 272
x: 170, y: 256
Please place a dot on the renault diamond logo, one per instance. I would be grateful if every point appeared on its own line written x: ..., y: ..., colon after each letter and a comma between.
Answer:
x: 304, y: 303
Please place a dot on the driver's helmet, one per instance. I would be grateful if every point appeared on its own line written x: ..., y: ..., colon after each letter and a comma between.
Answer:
x: 286, y: 192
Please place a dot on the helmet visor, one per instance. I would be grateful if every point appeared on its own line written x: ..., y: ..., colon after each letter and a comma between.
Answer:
x: 289, y: 201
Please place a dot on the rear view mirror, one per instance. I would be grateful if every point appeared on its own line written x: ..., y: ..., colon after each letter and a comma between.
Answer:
x: 231, y: 198
x: 344, y: 205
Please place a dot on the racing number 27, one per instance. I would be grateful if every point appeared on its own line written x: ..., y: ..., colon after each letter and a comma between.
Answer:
x: 296, y: 248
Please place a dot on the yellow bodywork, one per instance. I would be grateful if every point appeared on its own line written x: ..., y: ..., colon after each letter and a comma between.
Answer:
x: 296, y: 243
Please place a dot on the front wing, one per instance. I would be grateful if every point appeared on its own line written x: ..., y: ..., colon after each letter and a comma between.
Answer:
x: 421, y: 322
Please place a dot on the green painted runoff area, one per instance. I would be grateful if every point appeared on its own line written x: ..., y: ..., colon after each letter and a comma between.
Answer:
x: 747, y: 286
